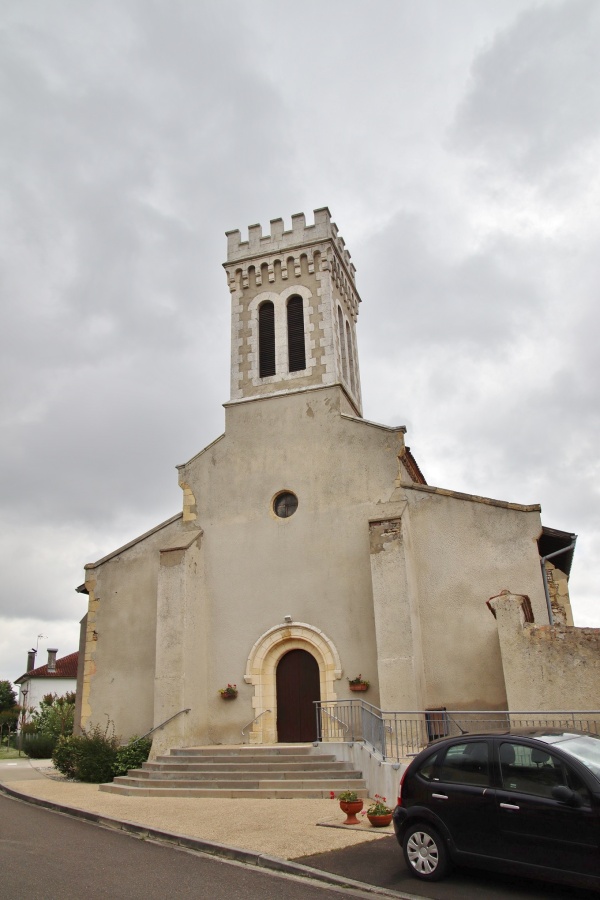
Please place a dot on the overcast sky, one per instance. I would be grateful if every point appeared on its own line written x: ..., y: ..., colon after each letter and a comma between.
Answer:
x: 457, y: 145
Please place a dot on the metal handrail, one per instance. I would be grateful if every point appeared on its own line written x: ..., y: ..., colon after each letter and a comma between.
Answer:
x: 335, y: 718
x: 162, y: 724
x: 255, y: 719
x: 398, y: 734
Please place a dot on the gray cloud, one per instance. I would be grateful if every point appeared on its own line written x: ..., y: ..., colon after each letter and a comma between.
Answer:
x: 534, y: 94
x: 454, y: 144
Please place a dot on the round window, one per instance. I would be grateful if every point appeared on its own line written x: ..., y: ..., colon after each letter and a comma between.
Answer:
x: 285, y: 504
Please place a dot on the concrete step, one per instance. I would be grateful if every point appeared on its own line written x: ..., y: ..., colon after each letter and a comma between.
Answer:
x: 233, y: 766
x: 334, y: 784
x: 263, y: 784
x: 242, y: 759
x: 245, y: 750
x: 217, y: 766
x: 219, y: 794
x: 211, y: 773
x: 279, y: 771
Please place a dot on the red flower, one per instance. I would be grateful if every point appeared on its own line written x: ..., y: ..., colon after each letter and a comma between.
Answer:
x: 331, y: 795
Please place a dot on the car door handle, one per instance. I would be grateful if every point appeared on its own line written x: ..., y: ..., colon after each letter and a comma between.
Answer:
x: 509, y: 806
x: 440, y: 796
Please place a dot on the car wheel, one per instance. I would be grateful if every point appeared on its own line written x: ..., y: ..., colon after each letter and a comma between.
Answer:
x: 425, y: 853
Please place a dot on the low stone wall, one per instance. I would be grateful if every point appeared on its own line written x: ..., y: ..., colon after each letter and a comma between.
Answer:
x: 546, y: 667
x: 381, y: 777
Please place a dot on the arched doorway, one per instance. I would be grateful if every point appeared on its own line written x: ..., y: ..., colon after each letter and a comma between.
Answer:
x: 298, y: 686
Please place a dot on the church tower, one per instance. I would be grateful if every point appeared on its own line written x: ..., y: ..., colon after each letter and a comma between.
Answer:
x: 294, y: 310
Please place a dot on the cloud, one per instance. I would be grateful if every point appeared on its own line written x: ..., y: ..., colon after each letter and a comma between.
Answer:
x: 456, y: 145
x: 534, y: 92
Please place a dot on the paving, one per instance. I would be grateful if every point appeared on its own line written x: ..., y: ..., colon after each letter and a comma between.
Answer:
x: 275, y: 833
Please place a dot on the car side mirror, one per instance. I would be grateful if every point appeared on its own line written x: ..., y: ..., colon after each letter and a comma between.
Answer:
x: 566, y: 795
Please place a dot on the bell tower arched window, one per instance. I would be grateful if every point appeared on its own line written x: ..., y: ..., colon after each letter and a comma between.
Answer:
x: 295, y: 334
x: 266, y: 339
x: 342, y: 339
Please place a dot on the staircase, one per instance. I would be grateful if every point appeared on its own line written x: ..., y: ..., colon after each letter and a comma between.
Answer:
x: 284, y: 772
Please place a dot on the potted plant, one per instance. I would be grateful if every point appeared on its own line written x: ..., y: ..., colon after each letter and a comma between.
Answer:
x: 379, y: 813
x: 350, y: 803
x: 358, y: 684
x: 229, y: 693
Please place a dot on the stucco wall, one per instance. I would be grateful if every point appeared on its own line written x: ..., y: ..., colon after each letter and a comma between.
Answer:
x: 460, y: 550
x: 313, y: 566
x: 175, y: 616
x: 546, y: 667
x: 119, y: 666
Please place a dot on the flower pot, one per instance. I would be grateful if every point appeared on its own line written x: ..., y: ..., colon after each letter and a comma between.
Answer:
x: 358, y: 687
x: 351, y: 807
x: 228, y: 696
x: 380, y: 821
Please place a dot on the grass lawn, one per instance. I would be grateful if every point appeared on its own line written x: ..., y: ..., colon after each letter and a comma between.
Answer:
x: 9, y: 753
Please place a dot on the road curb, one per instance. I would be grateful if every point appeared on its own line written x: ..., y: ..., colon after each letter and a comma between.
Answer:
x: 211, y: 848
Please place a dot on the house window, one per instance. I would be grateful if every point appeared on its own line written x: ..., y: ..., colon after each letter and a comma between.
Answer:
x: 295, y: 326
x: 266, y: 339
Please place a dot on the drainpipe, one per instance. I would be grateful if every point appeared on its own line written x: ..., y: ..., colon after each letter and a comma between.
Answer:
x: 545, y: 576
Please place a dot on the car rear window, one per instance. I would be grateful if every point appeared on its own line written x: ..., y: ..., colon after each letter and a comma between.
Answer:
x: 530, y: 770
x: 427, y: 768
x: 466, y: 763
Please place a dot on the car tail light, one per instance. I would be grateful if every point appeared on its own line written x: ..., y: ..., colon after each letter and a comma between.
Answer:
x: 400, y: 786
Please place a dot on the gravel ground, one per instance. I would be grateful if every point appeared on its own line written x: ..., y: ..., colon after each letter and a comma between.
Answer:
x: 288, y: 829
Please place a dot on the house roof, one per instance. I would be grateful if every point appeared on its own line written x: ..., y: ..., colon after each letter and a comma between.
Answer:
x: 65, y: 668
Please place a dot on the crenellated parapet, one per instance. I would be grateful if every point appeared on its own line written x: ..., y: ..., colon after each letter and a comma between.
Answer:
x: 261, y: 259
x: 280, y: 240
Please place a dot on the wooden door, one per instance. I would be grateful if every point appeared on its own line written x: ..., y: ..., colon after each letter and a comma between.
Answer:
x: 297, y: 688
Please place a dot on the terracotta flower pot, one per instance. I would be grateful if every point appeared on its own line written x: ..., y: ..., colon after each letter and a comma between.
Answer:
x: 351, y: 807
x: 228, y: 696
x: 380, y: 821
x: 358, y: 687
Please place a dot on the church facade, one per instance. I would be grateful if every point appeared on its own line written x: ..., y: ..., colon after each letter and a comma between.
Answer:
x: 309, y: 548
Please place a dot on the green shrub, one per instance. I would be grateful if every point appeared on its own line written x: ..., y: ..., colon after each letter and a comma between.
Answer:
x: 95, y: 755
x: 132, y: 755
x: 65, y: 756
x: 38, y: 746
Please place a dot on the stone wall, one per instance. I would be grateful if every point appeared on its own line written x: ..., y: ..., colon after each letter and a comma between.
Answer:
x: 546, y: 667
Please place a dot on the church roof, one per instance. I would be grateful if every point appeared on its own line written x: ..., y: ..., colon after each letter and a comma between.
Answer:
x: 412, y: 467
x: 65, y: 668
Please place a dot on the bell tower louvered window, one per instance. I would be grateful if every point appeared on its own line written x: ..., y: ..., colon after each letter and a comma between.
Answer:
x: 295, y: 328
x: 266, y: 339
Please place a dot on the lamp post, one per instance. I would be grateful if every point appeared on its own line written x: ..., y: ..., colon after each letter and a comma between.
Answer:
x: 24, y: 694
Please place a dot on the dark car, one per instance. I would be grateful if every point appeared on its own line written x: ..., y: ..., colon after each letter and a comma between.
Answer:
x: 525, y: 802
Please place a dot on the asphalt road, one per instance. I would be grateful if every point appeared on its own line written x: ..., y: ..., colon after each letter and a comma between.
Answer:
x: 46, y: 855
x: 381, y: 863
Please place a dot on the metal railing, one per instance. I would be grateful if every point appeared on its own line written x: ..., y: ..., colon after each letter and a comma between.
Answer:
x: 162, y: 724
x: 255, y: 719
x: 402, y: 734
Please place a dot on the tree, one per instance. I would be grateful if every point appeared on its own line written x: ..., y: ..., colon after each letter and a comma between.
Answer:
x: 8, y: 697
x: 9, y: 719
x: 55, y: 715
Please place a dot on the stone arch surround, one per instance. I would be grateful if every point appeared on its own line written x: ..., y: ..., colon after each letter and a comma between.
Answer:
x: 262, y: 665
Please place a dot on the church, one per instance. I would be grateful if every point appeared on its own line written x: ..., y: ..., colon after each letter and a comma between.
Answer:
x: 309, y: 550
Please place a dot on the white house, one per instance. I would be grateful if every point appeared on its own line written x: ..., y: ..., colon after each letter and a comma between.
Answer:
x: 57, y: 676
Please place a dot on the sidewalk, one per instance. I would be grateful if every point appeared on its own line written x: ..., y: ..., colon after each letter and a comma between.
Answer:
x: 280, y: 829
